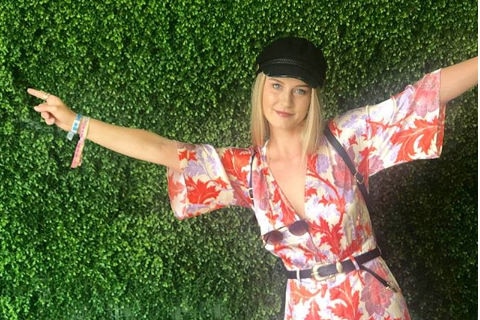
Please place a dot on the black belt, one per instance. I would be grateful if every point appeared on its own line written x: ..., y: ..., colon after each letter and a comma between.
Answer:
x: 323, y: 272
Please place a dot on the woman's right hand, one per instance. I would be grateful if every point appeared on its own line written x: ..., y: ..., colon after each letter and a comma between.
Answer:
x: 135, y: 143
x: 53, y: 110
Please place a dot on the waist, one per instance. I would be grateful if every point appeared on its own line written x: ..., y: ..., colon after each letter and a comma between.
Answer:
x: 325, y: 271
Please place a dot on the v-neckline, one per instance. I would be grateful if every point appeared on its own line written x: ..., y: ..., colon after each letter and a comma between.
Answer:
x: 276, y: 185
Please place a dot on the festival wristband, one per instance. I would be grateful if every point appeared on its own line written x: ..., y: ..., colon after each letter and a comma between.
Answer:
x: 77, y: 156
x: 75, y: 125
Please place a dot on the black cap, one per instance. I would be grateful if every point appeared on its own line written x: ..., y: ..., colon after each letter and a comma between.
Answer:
x: 293, y: 57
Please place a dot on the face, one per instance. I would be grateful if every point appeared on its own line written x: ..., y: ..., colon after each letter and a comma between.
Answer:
x: 285, y: 103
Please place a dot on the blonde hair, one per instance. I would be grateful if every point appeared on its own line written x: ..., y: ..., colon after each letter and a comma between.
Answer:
x: 259, y: 128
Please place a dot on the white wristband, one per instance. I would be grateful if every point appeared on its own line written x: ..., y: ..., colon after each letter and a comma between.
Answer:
x: 75, y: 125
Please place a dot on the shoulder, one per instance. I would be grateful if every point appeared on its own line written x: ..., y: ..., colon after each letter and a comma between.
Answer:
x: 352, y: 123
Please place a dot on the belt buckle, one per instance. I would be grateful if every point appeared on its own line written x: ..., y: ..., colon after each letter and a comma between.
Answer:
x: 318, y: 277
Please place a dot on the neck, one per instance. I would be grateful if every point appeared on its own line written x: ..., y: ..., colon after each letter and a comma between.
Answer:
x: 285, y: 146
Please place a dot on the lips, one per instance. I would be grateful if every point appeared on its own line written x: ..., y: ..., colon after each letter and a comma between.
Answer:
x: 283, y: 114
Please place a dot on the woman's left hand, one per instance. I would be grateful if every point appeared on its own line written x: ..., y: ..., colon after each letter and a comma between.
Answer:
x: 53, y: 110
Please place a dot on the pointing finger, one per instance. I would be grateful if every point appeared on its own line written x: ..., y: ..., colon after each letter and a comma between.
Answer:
x: 38, y: 93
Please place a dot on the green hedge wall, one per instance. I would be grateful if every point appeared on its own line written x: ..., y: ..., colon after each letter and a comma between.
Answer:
x: 100, y: 242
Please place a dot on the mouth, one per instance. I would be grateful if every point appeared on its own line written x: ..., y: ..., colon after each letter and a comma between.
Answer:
x: 283, y: 113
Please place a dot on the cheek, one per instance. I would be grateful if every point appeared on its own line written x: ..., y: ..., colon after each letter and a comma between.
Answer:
x: 267, y: 101
x: 303, y: 101
x: 304, y: 105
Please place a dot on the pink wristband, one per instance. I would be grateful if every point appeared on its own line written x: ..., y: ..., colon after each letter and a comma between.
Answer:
x: 77, y: 156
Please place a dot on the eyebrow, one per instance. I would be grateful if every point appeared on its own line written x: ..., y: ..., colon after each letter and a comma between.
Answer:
x: 278, y: 80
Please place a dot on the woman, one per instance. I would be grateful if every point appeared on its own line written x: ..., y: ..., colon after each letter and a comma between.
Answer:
x: 310, y: 209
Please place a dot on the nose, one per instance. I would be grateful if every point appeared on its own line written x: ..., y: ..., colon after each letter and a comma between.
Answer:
x: 286, y: 99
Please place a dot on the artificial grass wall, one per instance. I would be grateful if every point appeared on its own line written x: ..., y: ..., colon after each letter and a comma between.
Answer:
x: 100, y: 242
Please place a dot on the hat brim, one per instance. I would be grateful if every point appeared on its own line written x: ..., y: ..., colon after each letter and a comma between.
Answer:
x: 289, y: 71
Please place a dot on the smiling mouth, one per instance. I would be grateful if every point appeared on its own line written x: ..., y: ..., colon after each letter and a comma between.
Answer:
x: 283, y: 114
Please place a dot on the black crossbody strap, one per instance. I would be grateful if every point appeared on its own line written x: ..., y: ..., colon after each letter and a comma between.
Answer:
x: 250, y: 175
x: 357, y: 175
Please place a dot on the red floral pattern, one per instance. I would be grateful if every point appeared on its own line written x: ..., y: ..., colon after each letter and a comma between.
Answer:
x: 406, y: 127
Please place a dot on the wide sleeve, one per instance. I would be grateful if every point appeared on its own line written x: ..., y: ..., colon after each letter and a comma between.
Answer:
x: 406, y: 127
x: 209, y: 179
x: 412, y: 127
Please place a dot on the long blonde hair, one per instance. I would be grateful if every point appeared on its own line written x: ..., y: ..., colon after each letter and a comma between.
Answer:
x: 259, y: 127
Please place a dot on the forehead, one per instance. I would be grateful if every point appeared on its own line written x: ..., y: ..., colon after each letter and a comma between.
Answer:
x: 294, y: 82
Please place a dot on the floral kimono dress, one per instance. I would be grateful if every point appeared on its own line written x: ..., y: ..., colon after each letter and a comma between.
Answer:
x: 406, y: 127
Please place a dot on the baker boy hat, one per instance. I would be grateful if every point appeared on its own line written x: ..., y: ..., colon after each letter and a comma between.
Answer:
x: 293, y: 57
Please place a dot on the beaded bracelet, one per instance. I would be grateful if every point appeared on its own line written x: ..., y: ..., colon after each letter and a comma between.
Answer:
x: 74, y: 128
x: 77, y: 156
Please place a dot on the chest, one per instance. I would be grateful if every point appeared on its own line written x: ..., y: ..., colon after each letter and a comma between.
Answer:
x: 290, y: 179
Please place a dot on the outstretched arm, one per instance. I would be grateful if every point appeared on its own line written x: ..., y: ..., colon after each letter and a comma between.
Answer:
x: 457, y: 79
x: 135, y: 143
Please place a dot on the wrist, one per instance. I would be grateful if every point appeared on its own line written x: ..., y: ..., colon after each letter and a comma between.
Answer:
x: 74, y: 128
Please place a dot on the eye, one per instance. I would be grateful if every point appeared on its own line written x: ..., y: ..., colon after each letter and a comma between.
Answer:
x: 300, y: 91
x: 276, y: 85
